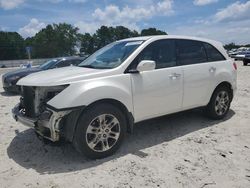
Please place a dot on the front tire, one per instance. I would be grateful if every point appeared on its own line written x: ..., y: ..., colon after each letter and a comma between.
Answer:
x: 219, y: 104
x: 244, y: 63
x: 100, y: 131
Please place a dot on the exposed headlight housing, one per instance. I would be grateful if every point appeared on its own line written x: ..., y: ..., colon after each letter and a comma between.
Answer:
x: 54, y: 90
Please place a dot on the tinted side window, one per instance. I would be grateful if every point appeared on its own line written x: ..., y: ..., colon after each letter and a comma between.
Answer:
x: 162, y: 52
x: 212, y: 53
x: 66, y: 63
x: 63, y: 63
x: 76, y: 62
x: 165, y: 54
x: 190, y: 52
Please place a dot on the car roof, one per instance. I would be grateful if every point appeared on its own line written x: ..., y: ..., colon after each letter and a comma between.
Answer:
x: 170, y: 37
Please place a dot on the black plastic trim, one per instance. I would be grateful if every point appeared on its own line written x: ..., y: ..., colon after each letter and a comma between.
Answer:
x: 64, y: 109
x: 131, y: 120
x: 132, y: 71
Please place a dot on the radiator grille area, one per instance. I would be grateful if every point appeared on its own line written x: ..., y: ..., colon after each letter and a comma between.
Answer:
x: 28, y: 94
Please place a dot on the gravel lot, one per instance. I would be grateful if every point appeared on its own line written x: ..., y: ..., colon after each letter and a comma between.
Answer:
x: 180, y: 150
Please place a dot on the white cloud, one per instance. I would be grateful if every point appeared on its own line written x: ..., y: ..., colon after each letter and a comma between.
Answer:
x: 203, y: 2
x: 235, y: 11
x: 127, y: 16
x: 77, y: 1
x: 226, y: 33
x: 2, y: 28
x: 230, y: 24
x: 87, y: 27
x: 59, y: 1
x: 113, y: 14
x: 50, y: 1
x: 164, y: 7
x: 10, y: 4
x: 31, y: 28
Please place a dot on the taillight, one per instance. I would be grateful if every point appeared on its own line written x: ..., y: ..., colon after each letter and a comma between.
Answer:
x: 235, y: 66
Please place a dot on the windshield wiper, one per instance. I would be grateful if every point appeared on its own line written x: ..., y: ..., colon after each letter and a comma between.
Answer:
x: 93, y: 67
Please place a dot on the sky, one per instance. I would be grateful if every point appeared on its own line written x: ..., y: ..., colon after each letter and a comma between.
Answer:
x: 222, y: 20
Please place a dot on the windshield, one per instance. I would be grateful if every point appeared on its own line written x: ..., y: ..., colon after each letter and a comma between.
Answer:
x: 111, y: 55
x: 48, y: 64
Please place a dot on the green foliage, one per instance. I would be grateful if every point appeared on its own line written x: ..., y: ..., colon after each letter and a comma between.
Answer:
x: 87, y: 43
x: 152, y: 31
x: 54, y: 41
x: 61, y: 39
x: 103, y: 36
x: 11, y: 46
x: 232, y: 45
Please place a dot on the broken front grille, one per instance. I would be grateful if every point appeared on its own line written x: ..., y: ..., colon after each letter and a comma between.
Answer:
x: 28, y: 96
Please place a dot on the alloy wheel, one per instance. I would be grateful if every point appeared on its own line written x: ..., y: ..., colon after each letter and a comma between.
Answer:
x: 103, y: 132
x: 222, y: 103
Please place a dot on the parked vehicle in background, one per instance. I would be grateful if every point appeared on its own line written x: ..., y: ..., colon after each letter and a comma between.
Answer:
x: 232, y: 53
x: 11, y: 78
x: 128, y: 81
x: 246, y: 59
x: 241, y: 55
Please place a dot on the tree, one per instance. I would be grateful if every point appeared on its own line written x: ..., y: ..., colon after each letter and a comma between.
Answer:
x: 87, y: 43
x: 11, y: 46
x: 55, y: 40
x: 121, y: 32
x: 231, y: 46
x: 62, y: 39
x: 152, y: 31
x: 103, y: 36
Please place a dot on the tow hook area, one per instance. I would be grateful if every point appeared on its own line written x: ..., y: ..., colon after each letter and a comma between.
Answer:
x: 46, y: 125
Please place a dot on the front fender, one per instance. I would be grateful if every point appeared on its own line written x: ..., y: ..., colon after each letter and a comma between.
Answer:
x: 87, y: 92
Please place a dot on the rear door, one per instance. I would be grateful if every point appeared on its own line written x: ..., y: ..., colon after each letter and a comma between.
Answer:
x: 217, y: 64
x: 159, y: 91
x: 197, y: 72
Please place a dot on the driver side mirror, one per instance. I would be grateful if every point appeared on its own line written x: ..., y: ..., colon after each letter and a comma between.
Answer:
x: 146, y: 65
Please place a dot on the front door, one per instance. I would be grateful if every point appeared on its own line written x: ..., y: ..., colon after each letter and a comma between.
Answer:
x: 157, y: 92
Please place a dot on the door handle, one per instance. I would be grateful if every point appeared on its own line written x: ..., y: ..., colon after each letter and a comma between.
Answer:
x: 174, y: 76
x: 212, y: 69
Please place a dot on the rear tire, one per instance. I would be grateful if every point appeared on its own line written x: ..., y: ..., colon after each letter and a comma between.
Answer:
x: 219, y: 104
x: 100, y: 131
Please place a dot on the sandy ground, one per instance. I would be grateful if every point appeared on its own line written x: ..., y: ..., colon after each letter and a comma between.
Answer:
x: 181, y: 150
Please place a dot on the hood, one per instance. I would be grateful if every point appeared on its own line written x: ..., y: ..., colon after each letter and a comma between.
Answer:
x: 22, y: 72
x: 61, y: 76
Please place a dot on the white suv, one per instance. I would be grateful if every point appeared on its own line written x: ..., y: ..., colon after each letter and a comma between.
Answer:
x: 126, y: 82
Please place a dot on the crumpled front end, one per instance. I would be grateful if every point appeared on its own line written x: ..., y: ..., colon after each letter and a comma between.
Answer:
x: 34, y: 112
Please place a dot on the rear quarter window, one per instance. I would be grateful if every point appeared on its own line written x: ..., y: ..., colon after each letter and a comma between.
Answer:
x: 212, y: 53
x: 190, y: 52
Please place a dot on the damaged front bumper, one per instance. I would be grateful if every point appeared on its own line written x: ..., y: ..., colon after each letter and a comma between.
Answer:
x: 47, y: 124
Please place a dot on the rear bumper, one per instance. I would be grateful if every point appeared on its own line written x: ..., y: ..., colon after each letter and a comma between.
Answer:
x: 47, y: 124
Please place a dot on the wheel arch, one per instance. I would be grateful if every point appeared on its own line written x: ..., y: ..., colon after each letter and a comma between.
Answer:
x: 224, y: 84
x: 70, y: 121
